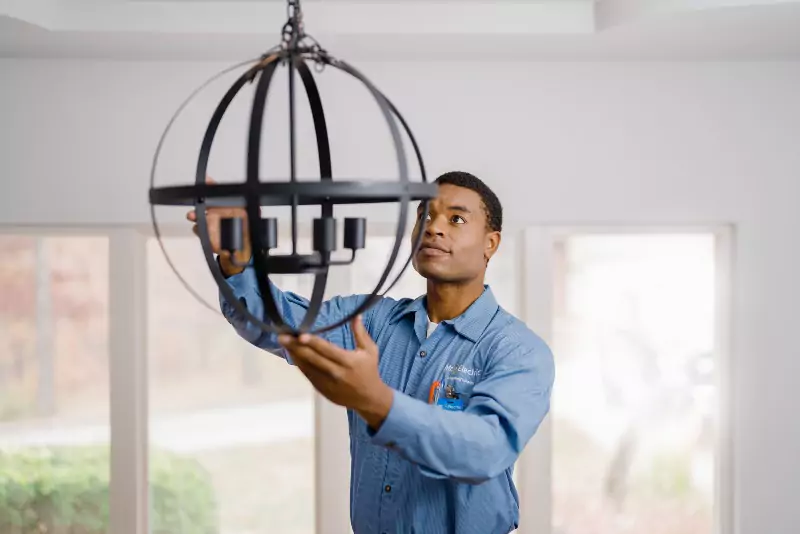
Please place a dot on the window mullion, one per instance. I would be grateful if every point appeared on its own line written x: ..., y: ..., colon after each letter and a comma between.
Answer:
x: 128, y: 500
x: 535, y: 463
x: 332, y: 445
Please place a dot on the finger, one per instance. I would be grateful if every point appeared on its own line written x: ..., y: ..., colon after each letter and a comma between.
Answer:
x: 304, y: 354
x: 326, y: 349
x: 363, y: 339
x: 191, y: 215
x: 212, y: 239
x: 318, y: 378
x: 210, y: 180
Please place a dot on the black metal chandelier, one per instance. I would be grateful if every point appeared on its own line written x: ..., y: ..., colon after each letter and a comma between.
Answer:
x: 295, y: 51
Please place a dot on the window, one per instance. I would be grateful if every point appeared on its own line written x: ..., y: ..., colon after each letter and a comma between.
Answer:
x: 54, y: 382
x: 231, y: 425
x: 634, y: 417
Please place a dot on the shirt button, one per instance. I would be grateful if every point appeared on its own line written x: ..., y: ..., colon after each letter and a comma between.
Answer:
x: 422, y: 353
x: 388, y: 488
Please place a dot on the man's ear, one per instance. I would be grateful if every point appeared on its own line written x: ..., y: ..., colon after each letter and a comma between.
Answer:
x: 492, y: 244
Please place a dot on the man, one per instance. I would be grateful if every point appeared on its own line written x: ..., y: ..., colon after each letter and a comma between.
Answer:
x: 443, y: 392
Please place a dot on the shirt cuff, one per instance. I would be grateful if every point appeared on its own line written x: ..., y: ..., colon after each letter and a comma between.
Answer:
x: 241, y: 284
x: 405, y: 419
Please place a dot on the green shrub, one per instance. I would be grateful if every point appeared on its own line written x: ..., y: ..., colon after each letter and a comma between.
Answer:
x: 66, y: 490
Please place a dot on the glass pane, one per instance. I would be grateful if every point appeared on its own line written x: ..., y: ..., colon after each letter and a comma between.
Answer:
x: 231, y: 425
x: 633, y: 407
x: 54, y: 396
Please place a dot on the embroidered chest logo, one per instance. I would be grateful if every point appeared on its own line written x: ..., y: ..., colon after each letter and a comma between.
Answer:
x: 452, y: 390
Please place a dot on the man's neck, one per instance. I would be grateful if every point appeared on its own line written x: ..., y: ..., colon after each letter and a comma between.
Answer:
x: 447, y: 301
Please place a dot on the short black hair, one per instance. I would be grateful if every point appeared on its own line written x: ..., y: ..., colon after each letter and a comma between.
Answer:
x: 491, y: 204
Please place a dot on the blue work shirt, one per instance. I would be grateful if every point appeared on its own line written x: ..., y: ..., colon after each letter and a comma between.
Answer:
x: 467, y: 399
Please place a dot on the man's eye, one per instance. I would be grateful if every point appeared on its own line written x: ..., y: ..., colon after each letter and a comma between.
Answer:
x: 458, y: 219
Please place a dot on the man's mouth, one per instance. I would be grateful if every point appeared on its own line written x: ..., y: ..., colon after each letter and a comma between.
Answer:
x: 432, y: 251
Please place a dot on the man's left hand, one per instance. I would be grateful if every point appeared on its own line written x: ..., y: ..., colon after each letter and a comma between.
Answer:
x: 348, y: 378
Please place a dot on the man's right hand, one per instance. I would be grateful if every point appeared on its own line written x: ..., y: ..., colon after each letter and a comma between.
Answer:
x: 213, y: 217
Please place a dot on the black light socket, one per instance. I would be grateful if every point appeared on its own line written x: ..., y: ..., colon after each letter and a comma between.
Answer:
x: 355, y: 233
x: 269, y: 233
x: 231, y: 234
x: 325, y: 234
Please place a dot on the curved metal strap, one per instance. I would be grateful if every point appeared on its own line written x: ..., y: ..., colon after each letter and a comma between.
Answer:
x: 324, y: 154
x: 426, y: 204
x: 202, y: 168
x: 404, y: 199
x: 154, y: 167
x: 253, y: 201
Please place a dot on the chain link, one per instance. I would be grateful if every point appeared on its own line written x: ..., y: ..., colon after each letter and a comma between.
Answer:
x: 294, y: 36
x: 292, y: 8
x: 293, y: 29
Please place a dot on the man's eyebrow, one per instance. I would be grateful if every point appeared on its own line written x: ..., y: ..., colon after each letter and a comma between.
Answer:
x: 459, y: 208
x: 463, y: 209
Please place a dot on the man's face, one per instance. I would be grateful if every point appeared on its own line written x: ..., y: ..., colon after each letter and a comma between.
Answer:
x: 457, y: 242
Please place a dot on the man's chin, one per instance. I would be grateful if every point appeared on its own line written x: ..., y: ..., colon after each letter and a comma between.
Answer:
x: 434, y: 270
x: 435, y: 275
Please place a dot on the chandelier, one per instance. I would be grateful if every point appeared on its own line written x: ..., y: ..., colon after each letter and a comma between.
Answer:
x: 295, y: 51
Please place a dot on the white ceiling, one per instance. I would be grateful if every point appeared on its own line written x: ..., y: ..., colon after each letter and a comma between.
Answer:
x: 407, y: 29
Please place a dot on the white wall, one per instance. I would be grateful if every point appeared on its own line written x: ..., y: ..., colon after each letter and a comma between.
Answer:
x: 582, y: 143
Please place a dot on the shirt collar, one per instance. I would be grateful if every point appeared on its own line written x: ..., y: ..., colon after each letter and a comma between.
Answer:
x: 469, y: 324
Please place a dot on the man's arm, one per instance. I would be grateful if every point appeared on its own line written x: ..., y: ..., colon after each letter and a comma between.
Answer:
x: 292, y: 308
x: 504, y: 411
x: 241, y: 278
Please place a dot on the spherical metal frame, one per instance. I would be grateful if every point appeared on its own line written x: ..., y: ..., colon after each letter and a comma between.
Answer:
x: 326, y: 193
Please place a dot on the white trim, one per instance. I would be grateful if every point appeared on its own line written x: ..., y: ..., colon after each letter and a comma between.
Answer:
x: 128, y: 499
x: 56, y: 231
x: 332, y: 446
x: 724, y: 470
x: 535, y: 464
x: 332, y: 468
x: 563, y: 231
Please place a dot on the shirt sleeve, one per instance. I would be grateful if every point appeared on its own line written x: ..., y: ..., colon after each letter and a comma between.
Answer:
x: 292, y: 308
x: 477, y: 444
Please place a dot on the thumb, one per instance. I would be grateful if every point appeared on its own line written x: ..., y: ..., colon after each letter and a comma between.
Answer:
x: 363, y: 339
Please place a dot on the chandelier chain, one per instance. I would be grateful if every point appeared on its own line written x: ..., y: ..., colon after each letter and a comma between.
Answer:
x: 293, y: 29
x: 295, y: 40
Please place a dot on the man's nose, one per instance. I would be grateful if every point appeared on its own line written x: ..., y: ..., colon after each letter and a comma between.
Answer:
x: 434, y: 228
